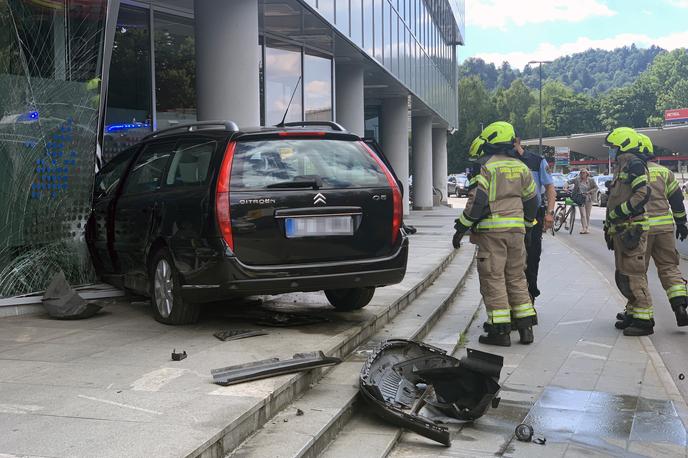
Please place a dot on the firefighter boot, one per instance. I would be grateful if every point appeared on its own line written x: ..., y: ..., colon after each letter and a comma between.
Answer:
x: 497, y: 334
x: 678, y: 305
x: 639, y: 328
x: 625, y: 320
x: 525, y: 329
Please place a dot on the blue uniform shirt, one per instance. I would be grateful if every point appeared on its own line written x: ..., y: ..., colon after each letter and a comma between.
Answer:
x: 541, y: 175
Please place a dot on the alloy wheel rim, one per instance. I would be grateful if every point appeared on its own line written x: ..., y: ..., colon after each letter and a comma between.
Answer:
x: 163, y: 285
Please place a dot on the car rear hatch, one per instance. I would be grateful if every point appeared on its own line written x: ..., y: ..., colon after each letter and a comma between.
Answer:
x: 300, y: 197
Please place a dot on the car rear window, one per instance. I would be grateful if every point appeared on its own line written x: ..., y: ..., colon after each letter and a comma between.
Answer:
x: 331, y: 164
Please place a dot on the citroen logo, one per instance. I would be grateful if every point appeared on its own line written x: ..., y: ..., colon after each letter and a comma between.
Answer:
x: 319, y: 199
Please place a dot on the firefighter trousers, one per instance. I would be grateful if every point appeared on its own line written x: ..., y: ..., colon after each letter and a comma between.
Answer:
x: 661, y: 247
x: 631, y: 277
x: 501, y: 260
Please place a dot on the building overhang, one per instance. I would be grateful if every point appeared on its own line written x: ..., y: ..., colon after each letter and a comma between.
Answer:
x: 671, y: 138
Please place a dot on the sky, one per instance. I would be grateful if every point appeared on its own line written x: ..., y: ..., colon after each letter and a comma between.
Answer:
x: 518, y: 31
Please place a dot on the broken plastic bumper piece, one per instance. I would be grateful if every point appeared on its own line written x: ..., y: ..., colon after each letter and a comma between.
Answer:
x: 271, y: 367
x: 402, y: 377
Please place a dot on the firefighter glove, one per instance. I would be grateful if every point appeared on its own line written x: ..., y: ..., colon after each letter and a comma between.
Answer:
x: 456, y: 240
x: 681, y: 232
x: 608, y: 238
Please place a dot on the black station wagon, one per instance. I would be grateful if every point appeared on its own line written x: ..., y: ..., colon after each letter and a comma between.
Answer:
x: 208, y: 212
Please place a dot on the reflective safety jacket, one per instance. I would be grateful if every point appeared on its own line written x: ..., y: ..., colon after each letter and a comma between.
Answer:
x: 666, y: 199
x: 501, y: 197
x: 628, y: 195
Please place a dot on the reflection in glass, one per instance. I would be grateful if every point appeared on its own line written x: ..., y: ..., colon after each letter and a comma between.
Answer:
x: 356, y: 22
x: 326, y: 8
x: 50, y: 85
x: 343, y: 16
x: 282, y: 74
x: 368, y: 26
x: 377, y: 29
x: 175, y: 70
x: 317, y: 74
x: 387, y: 33
x: 128, y: 115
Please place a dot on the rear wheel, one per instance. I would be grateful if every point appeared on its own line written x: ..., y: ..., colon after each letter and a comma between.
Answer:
x: 165, y: 290
x: 346, y: 300
x: 559, y: 218
x: 572, y: 218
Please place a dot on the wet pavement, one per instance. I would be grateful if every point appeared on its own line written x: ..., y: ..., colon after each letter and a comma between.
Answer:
x: 583, y: 386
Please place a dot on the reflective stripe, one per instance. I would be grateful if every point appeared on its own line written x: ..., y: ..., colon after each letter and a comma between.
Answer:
x: 465, y: 221
x: 643, y: 313
x: 613, y: 215
x: 523, y: 310
x: 530, y: 223
x: 623, y: 176
x: 529, y: 190
x: 671, y: 187
x: 677, y: 291
x: 481, y: 180
x: 680, y: 215
x: 493, y: 186
x: 500, y: 222
x: 624, y: 208
x: 499, y: 316
x: 661, y: 220
x: 515, y: 163
x: 638, y: 180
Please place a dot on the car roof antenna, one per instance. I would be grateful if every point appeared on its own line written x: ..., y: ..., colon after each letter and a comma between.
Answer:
x: 284, y: 118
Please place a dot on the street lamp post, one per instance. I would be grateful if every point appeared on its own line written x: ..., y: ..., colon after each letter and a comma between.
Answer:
x: 540, y: 62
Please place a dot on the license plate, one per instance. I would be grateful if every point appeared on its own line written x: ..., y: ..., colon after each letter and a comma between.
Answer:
x: 318, y: 226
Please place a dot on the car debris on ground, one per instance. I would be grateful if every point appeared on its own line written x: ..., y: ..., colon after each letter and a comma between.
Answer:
x: 178, y: 356
x: 413, y: 385
x: 236, y: 334
x: 62, y: 302
x: 271, y: 367
x: 276, y: 319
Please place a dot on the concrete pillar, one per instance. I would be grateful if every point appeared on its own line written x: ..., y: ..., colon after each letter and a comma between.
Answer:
x: 394, y: 133
x: 439, y: 161
x: 349, y: 97
x: 227, y: 85
x: 421, y: 134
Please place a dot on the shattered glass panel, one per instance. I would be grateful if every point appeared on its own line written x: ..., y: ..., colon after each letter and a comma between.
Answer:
x: 51, y: 55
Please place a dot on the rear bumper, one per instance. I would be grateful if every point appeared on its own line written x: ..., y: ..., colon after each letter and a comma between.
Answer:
x: 228, y: 277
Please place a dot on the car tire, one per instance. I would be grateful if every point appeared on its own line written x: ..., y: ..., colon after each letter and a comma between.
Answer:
x: 349, y: 299
x: 165, y: 290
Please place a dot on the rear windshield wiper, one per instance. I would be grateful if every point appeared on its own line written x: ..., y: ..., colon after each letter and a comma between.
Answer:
x: 315, y: 184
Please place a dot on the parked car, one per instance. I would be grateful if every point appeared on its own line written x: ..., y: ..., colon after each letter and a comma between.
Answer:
x: 600, y: 198
x: 209, y: 212
x: 561, y: 186
x: 458, y: 185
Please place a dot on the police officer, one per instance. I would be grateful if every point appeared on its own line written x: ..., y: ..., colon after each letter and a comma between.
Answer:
x: 664, y: 208
x: 501, y: 203
x: 539, y: 168
x: 626, y: 227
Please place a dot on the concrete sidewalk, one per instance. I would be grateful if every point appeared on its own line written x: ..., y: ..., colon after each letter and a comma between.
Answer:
x: 106, y: 386
x: 582, y: 385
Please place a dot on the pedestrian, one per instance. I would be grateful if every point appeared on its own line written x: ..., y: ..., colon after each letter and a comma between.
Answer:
x: 542, y: 176
x: 501, y: 207
x: 626, y: 227
x: 586, y: 186
x: 664, y: 210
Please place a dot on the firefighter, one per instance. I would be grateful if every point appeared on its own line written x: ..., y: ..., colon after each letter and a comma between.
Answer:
x: 664, y: 208
x: 502, y: 203
x: 626, y: 227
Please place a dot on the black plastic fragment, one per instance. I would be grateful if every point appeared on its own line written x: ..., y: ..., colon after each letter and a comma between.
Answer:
x: 236, y: 334
x: 178, y: 356
x: 540, y: 441
x: 524, y: 432
x: 681, y: 376
x: 271, y: 367
x: 401, y: 376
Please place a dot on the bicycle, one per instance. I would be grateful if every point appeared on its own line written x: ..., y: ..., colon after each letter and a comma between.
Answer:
x: 565, y: 215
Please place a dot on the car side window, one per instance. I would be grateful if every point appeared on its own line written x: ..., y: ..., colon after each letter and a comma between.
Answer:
x: 191, y: 162
x: 109, y: 177
x: 146, y: 174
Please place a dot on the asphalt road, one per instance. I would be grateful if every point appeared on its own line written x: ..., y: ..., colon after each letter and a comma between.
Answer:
x: 671, y: 341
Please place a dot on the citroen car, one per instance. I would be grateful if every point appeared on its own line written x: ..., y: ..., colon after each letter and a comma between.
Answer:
x: 209, y: 212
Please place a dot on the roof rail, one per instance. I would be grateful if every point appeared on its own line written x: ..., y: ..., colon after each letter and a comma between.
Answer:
x: 229, y: 126
x: 330, y: 124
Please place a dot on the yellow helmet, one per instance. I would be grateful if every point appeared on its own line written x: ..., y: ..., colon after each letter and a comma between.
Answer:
x: 624, y: 139
x: 498, y: 136
x: 646, y: 145
x: 476, y: 149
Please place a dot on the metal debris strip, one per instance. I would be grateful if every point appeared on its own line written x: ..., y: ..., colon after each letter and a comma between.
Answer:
x: 276, y: 319
x: 271, y: 367
x: 402, y: 377
x: 236, y: 334
x: 178, y: 356
x: 61, y: 301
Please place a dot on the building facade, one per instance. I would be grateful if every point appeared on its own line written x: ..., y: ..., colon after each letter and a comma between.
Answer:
x: 81, y: 80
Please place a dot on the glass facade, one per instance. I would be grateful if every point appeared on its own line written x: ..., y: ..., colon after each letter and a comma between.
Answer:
x: 51, y: 56
x: 415, y: 40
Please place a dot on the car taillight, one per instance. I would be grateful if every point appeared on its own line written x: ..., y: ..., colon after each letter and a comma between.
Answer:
x: 396, y: 194
x: 300, y: 134
x: 224, y: 220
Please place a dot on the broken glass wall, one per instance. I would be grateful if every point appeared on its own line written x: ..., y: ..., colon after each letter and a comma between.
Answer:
x: 51, y: 55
